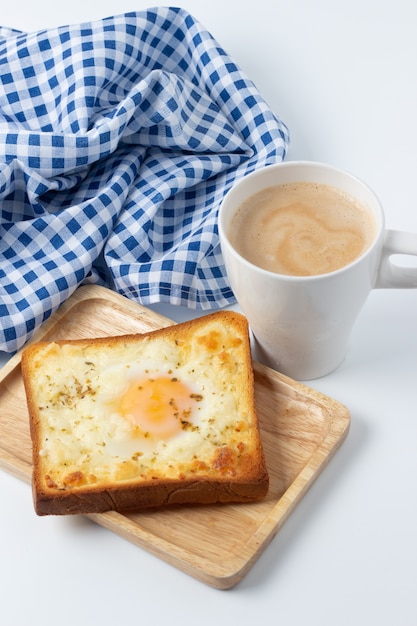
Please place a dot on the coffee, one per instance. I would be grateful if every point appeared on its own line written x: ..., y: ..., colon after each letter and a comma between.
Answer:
x: 301, y: 229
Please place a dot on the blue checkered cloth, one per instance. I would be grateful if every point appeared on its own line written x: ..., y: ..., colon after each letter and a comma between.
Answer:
x: 118, y: 141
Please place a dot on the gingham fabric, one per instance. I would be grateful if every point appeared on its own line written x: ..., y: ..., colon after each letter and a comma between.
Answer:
x: 118, y: 141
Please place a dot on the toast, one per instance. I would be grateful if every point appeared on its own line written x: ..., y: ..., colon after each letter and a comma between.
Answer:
x: 145, y: 420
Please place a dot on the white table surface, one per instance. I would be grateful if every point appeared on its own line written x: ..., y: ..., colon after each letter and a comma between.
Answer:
x: 343, y: 76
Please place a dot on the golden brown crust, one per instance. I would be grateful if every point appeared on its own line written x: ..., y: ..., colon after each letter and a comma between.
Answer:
x: 235, y: 472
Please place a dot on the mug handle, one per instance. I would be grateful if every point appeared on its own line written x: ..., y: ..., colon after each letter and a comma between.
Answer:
x: 391, y: 275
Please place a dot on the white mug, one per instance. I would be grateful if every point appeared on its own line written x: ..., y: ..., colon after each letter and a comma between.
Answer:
x: 302, y: 324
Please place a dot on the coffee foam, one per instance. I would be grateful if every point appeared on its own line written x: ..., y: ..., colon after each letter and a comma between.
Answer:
x: 301, y: 229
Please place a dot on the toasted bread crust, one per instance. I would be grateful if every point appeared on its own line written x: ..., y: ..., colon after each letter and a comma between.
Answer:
x: 235, y: 470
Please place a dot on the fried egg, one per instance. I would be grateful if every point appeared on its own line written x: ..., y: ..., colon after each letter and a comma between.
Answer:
x: 155, y: 408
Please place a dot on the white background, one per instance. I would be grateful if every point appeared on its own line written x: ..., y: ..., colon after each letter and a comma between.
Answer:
x: 343, y: 76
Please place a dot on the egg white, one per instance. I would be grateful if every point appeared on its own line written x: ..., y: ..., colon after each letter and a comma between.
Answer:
x: 83, y: 430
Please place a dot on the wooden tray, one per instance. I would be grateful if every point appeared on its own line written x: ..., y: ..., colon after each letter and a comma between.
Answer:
x: 301, y: 431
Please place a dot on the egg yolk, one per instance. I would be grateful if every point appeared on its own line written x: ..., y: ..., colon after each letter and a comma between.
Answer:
x: 159, y: 407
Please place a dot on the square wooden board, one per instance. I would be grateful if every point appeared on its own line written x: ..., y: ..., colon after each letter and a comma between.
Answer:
x: 301, y: 431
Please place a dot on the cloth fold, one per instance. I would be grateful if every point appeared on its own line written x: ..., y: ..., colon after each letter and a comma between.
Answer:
x: 118, y: 141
